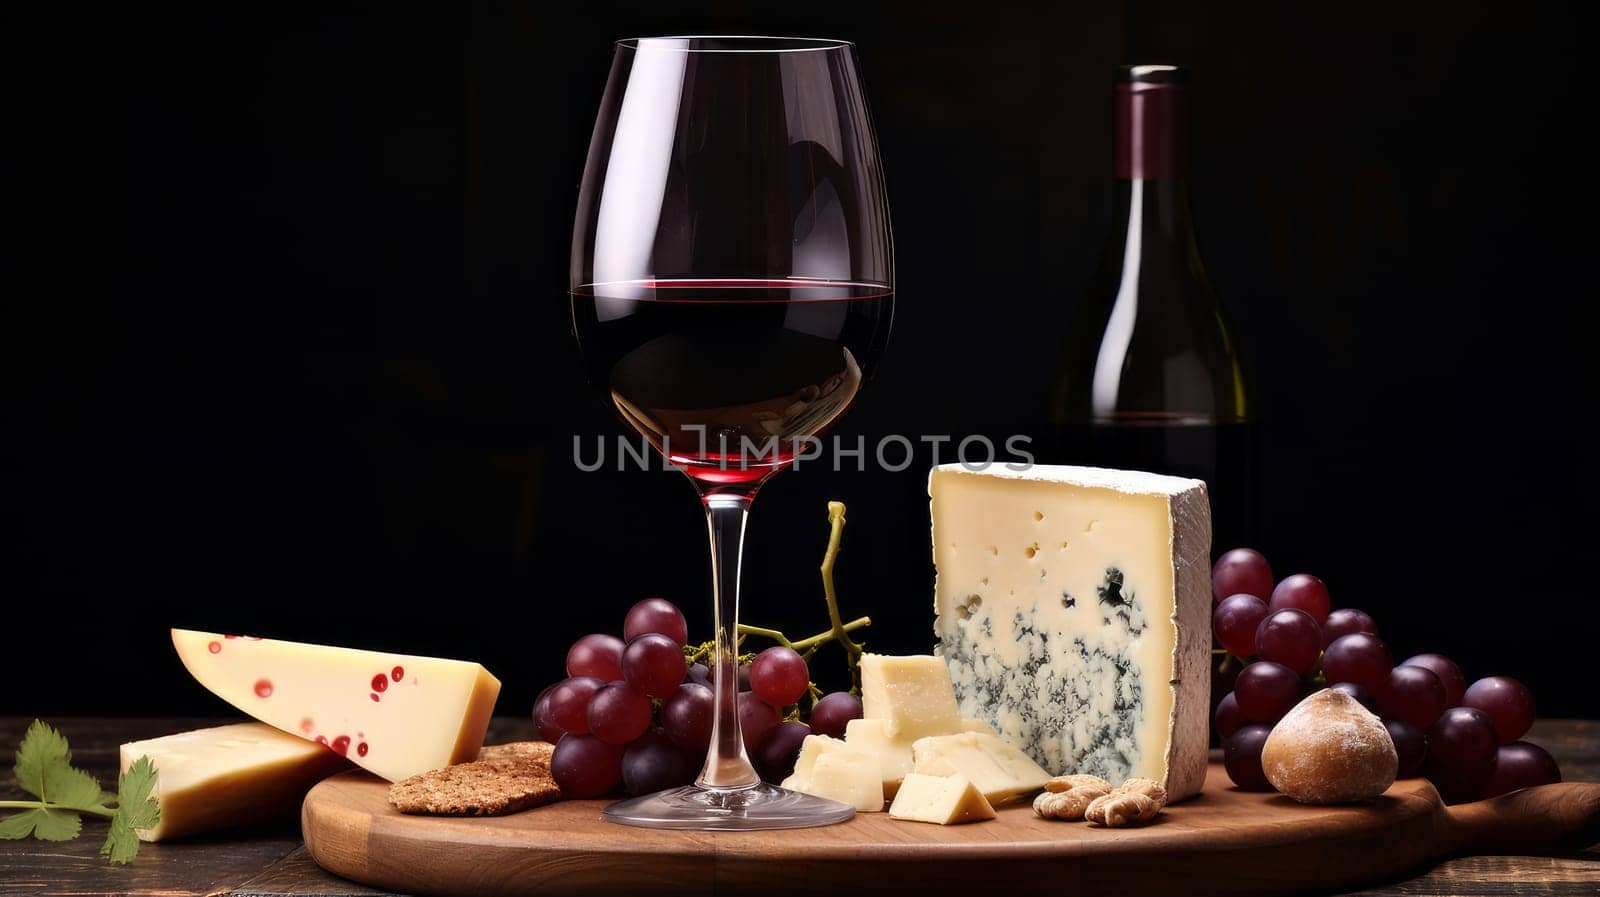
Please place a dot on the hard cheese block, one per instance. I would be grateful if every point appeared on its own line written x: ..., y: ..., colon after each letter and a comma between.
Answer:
x: 994, y: 767
x: 894, y: 751
x: 229, y: 776
x: 393, y: 714
x: 942, y: 800
x: 1073, y: 608
x: 828, y: 767
x: 911, y: 694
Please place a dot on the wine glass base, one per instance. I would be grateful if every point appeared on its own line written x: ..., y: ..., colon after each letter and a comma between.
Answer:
x: 750, y: 809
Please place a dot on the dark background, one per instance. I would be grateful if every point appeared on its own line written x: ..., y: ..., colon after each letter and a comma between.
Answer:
x: 284, y: 302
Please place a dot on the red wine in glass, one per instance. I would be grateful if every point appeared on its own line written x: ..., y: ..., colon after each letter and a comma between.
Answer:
x: 729, y: 378
x: 732, y: 288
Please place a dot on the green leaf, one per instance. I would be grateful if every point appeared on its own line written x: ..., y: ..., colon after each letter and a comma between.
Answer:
x: 46, y: 825
x: 42, y: 749
x: 136, y: 809
x: 17, y: 825
x: 134, y: 802
x: 71, y: 787
x: 122, y: 842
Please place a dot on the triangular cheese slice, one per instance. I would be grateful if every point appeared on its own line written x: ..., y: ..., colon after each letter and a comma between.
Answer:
x: 393, y: 714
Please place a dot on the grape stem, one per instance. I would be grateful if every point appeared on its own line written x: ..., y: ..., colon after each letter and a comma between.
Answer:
x: 805, y: 644
x: 837, y: 631
x: 852, y: 649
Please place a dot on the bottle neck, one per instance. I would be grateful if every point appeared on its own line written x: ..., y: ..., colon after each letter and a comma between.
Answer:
x: 1155, y: 213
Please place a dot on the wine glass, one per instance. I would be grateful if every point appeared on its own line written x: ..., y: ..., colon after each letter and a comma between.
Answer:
x: 732, y: 288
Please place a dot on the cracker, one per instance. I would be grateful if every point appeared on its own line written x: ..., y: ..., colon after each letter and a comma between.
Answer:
x: 507, y: 778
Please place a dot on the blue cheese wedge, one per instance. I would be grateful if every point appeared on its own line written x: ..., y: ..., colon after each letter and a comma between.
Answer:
x: 1073, y: 611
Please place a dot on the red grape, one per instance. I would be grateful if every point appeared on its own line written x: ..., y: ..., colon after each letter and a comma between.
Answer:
x: 1520, y: 765
x: 1455, y: 684
x: 1241, y: 755
x: 618, y: 714
x: 1290, y: 637
x: 774, y: 757
x: 657, y: 615
x: 698, y: 672
x: 829, y: 715
x: 744, y: 677
x: 1413, y: 694
x: 1235, y: 622
x: 779, y: 676
x: 569, y: 703
x: 653, y: 663
x: 1508, y: 703
x: 1266, y: 691
x: 1229, y: 717
x: 1360, y: 658
x: 1455, y: 785
x: 1361, y: 695
x: 756, y: 718
x: 1344, y: 621
x: 1463, y: 741
x: 655, y: 764
x: 1241, y: 570
x: 596, y: 655
x: 1410, y: 745
x: 1305, y: 592
x: 548, y: 730
x: 686, y: 716
x: 585, y: 766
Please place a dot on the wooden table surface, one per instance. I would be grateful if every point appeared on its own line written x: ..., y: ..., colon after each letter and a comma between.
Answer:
x: 271, y: 862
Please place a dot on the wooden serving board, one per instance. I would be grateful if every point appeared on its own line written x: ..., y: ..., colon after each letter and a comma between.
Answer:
x: 1223, y: 842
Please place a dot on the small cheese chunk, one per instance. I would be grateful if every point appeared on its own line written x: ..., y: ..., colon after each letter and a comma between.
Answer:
x: 894, y: 751
x: 828, y: 767
x: 229, y: 776
x: 996, y: 768
x: 812, y: 747
x: 912, y: 695
x: 393, y: 714
x: 943, y: 800
x: 1073, y: 608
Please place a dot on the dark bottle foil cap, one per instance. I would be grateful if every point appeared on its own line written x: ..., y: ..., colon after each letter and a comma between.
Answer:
x: 1152, y: 113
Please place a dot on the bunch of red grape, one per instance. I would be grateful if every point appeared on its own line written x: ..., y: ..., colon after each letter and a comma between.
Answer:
x: 636, y: 711
x: 1462, y: 738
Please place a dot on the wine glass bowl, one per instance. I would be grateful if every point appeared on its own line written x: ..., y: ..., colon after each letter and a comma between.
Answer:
x: 732, y: 288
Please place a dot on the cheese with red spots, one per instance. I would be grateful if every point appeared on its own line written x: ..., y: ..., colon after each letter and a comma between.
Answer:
x: 395, y: 715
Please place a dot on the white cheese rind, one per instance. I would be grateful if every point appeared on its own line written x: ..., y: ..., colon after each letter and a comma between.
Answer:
x: 1073, y: 608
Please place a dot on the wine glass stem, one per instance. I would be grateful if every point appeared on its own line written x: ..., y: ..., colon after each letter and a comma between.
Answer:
x: 726, y: 767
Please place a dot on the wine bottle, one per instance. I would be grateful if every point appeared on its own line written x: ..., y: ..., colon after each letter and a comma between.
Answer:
x: 1150, y: 377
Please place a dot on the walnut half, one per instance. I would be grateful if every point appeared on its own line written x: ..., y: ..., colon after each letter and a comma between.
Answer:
x: 1121, y: 808
x: 1069, y: 797
x: 1134, y: 802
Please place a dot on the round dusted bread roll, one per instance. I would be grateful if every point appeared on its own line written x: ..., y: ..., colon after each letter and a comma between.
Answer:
x: 1329, y: 750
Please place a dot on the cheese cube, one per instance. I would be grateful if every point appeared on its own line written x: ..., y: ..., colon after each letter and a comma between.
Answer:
x: 997, y: 769
x: 1073, y: 609
x: 912, y: 695
x: 392, y: 714
x: 828, y: 767
x: 894, y: 751
x: 229, y: 776
x: 812, y: 747
x: 942, y: 800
